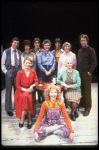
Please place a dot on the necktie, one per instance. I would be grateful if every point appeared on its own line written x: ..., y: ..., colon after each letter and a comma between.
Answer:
x: 15, y: 59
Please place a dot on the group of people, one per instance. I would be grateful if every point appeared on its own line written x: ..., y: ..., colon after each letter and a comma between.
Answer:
x: 23, y: 70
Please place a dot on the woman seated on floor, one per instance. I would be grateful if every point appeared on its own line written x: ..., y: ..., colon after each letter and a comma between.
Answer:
x: 70, y: 79
x: 26, y: 79
x: 50, y: 119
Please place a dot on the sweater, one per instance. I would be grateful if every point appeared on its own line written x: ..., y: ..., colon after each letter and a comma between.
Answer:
x: 44, y: 108
x: 76, y: 79
x: 86, y: 59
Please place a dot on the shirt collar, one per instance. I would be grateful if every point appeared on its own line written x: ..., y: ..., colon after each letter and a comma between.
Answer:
x: 12, y: 49
x: 86, y: 46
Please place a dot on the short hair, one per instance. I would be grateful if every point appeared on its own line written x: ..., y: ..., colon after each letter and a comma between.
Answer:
x: 28, y: 58
x: 15, y: 39
x: 68, y: 59
x: 47, y: 92
x: 84, y: 36
x: 66, y: 43
x: 36, y: 39
x: 57, y: 40
x: 46, y: 41
x: 27, y: 42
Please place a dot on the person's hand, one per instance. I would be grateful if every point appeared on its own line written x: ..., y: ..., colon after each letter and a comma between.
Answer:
x: 29, y: 90
x: 36, y: 137
x: 89, y: 73
x: 71, y: 137
x: 47, y: 73
x: 65, y: 86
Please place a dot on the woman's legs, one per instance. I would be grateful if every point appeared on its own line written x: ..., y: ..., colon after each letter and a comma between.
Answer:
x: 29, y: 119
x: 52, y: 129
x: 22, y: 117
x: 73, y: 106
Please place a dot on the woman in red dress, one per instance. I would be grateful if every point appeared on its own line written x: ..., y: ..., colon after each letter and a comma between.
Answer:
x: 25, y: 81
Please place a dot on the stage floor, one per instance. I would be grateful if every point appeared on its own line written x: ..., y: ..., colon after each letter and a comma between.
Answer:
x: 85, y: 128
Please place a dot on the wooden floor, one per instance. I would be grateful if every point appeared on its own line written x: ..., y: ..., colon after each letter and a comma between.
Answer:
x: 85, y: 128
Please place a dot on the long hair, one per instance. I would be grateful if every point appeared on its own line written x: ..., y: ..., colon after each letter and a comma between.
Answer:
x: 47, y: 92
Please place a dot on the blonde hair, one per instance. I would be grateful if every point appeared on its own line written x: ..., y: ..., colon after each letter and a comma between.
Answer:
x: 28, y: 58
x: 69, y: 59
x: 47, y: 92
x: 66, y: 43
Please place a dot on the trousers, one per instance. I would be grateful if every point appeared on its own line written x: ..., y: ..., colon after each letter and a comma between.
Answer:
x: 10, y: 79
x: 44, y: 77
x: 86, y: 90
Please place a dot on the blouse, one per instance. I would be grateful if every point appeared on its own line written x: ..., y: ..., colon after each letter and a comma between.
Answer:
x: 62, y: 61
x: 44, y: 108
x: 57, y: 53
x: 46, y: 58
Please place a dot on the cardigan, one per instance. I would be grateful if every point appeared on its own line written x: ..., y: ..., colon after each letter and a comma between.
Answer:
x: 44, y: 108
x: 76, y: 79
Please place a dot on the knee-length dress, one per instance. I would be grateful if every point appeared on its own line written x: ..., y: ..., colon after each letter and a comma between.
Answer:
x: 50, y: 114
x: 24, y: 100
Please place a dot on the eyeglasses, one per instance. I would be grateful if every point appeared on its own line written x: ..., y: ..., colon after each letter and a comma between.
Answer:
x: 46, y: 45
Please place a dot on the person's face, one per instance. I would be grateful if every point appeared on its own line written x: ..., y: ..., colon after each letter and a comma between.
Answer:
x: 47, y: 47
x: 15, y: 45
x: 27, y: 64
x: 27, y: 47
x: 36, y: 44
x: 83, y: 42
x: 53, y: 95
x: 69, y: 64
x: 67, y: 48
x: 57, y: 44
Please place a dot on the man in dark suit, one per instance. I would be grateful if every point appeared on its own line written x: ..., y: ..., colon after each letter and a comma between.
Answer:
x: 10, y: 65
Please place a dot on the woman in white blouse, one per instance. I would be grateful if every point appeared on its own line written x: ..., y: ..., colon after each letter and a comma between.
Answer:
x: 65, y: 55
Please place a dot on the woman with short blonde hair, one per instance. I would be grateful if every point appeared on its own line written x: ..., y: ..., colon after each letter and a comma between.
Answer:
x: 26, y: 79
x: 70, y: 79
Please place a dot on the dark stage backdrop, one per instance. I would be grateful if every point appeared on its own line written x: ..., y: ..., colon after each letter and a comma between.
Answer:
x: 66, y: 20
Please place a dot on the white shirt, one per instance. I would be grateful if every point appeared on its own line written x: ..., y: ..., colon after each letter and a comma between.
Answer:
x: 12, y: 60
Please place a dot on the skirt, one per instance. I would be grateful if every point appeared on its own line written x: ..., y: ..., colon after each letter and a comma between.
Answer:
x: 73, y: 96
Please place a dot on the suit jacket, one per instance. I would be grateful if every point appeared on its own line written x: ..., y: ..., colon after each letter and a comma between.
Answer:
x: 8, y: 59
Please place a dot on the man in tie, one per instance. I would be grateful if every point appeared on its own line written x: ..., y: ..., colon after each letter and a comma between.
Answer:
x: 10, y: 65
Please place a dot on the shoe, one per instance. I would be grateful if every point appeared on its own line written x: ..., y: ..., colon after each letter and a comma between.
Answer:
x: 9, y: 113
x: 73, y: 118
x: 29, y: 126
x: 86, y: 113
x: 21, y: 125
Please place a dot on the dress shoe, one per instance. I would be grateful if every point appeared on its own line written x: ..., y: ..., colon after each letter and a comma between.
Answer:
x: 86, y: 113
x: 29, y: 126
x: 21, y: 125
x: 9, y: 113
x: 73, y: 117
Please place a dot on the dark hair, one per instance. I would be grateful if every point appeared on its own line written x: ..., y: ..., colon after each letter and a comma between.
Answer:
x: 58, y: 40
x: 15, y: 39
x: 27, y: 42
x: 36, y: 39
x: 84, y: 36
x: 46, y: 41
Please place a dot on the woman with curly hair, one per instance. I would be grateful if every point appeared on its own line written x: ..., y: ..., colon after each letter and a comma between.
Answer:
x: 50, y: 119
